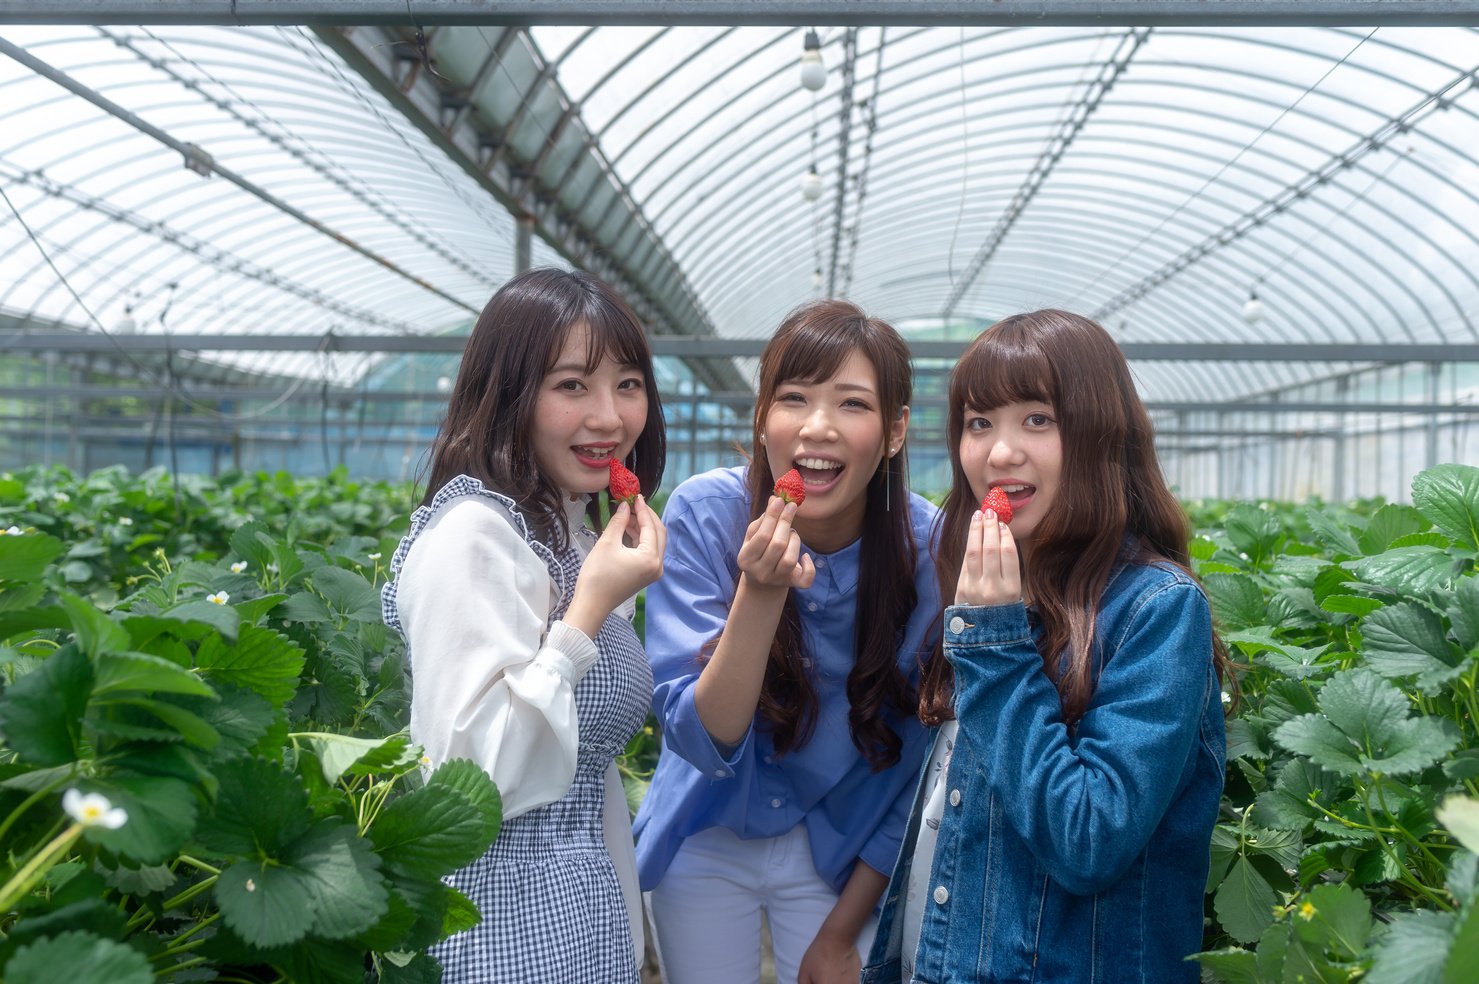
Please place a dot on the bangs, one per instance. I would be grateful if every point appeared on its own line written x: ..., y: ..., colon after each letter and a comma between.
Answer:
x: 816, y: 354
x: 609, y: 333
x: 1002, y: 367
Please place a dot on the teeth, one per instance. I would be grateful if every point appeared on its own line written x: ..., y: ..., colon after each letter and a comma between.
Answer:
x: 595, y: 452
x: 817, y: 463
x: 1013, y: 488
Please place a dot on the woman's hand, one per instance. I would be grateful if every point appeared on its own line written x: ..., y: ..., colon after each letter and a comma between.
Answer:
x: 831, y: 959
x: 770, y: 556
x: 626, y: 559
x: 989, y: 571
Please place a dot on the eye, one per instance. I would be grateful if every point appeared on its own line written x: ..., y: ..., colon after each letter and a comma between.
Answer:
x: 570, y: 385
x: 790, y: 398
x: 1039, y: 420
x: 977, y: 424
x: 856, y: 404
x: 634, y: 383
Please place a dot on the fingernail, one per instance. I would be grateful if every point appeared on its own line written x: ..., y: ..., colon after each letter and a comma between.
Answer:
x: 990, y: 514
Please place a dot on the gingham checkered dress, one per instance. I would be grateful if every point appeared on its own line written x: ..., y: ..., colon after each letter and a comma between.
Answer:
x: 552, y: 907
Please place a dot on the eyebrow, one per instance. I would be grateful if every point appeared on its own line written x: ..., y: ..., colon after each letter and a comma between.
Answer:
x: 579, y: 367
x: 846, y: 387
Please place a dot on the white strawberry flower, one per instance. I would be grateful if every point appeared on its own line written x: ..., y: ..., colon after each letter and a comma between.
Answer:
x: 271, y: 568
x: 13, y: 531
x: 62, y: 497
x: 219, y: 598
x: 93, y: 810
x: 238, y: 567
x: 125, y: 521
x: 374, y: 556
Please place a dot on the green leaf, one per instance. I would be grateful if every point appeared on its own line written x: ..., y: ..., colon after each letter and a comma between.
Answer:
x: 252, y: 544
x: 96, y: 632
x: 1340, y: 920
x: 305, y: 606
x: 41, y: 713
x: 341, y: 876
x: 1390, y: 522
x: 252, y: 610
x: 1350, y: 604
x: 1408, y: 639
x: 1273, y: 947
x: 1463, y: 959
x: 1460, y: 814
x: 19, y: 597
x: 241, y: 718
x: 429, y: 833
x: 1367, y: 727
x: 260, y: 809
x: 1414, y: 949
x: 187, y: 724
x: 223, y: 618
x: 24, y: 557
x: 469, y: 779
x: 1288, y: 805
x: 1237, y: 600
x: 1448, y: 497
x: 1335, y: 536
x: 1296, y: 662
x: 348, y: 593
x: 261, y: 659
x: 265, y: 903
x: 1244, y: 740
x: 338, y: 754
x: 1252, y: 530
x: 1244, y: 902
x: 161, y: 816
x: 1230, y: 965
x: 1463, y: 613
x: 78, y: 957
x: 1412, y: 570
x: 424, y: 969
x: 140, y: 671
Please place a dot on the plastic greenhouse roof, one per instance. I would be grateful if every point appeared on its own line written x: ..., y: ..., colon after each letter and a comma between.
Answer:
x: 1154, y: 178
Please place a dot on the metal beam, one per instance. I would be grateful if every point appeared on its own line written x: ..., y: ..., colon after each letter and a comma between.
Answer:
x: 719, y: 348
x: 857, y: 13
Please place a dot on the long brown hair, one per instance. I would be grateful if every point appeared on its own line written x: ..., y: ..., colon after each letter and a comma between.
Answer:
x: 1110, y: 485
x: 810, y: 346
x: 489, y: 423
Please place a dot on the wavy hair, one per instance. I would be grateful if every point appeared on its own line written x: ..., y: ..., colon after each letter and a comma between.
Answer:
x: 1111, y: 485
x: 810, y: 346
x: 487, y: 432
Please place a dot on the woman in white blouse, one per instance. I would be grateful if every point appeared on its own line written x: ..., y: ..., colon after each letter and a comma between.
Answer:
x: 518, y: 621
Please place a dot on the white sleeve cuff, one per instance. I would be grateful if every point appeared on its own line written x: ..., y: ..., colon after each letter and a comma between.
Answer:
x: 575, y: 646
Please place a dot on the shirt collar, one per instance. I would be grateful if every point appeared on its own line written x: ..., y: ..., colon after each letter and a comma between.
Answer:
x: 842, y: 565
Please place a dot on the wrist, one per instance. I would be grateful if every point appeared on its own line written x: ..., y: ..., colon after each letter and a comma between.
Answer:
x: 585, y: 615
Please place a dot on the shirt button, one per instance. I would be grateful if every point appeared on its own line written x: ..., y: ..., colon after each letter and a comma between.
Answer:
x: 942, y: 895
x: 954, y: 797
x: 775, y: 804
x: 957, y: 625
x: 720, y: 774
x: 770, y: 760
x: 821, y: 562
x: 811, y: 606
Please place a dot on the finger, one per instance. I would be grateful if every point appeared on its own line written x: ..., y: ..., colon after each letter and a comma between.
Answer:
x: 617, y: 527
x: 791, y: 557
x: 807, y: 574
x: 1011, y: 570
x: 646, y: 518
x: 971, y: 561
x: 780, y: 537
x: 660, y: 534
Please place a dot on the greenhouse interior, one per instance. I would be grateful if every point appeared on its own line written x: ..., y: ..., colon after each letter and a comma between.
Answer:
x: 243, y: 244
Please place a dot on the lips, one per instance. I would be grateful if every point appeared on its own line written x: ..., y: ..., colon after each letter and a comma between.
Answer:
x: 818, y: 473
x: 1018, y: 493
x: 594, y: 455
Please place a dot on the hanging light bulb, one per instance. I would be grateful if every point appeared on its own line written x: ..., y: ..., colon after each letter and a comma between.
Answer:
x: 126, y: 324
x: 444, y: 384
x: 816, y: 279
x: 813, y: 69
x: 811, y: 184
x: 1252, y: 308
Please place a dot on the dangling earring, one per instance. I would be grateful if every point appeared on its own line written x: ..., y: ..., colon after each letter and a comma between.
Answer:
x: 887, y: 485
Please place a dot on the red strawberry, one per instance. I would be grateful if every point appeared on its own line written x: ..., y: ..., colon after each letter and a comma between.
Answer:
x: 623, y: 485
x: 996, y: 500
x: 790, y: 487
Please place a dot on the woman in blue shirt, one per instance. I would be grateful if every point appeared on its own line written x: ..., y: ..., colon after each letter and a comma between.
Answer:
x: 786, y: 644
x: 1063, y: 823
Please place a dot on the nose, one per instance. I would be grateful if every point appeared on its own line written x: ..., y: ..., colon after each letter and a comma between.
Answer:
x: 818, y: 424
x: 1005, y: 452
x: 601, y: 411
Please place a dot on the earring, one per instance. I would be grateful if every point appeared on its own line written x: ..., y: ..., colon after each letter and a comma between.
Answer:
x: 762, y: 439
x: 887, y: 487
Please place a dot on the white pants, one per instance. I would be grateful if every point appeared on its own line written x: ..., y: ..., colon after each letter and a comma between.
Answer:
x: 706, y: 910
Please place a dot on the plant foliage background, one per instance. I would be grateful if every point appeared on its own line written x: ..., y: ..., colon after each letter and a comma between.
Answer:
x: 209, y: 656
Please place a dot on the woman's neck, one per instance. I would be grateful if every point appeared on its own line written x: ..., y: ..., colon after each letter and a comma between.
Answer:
x: 828, y: 537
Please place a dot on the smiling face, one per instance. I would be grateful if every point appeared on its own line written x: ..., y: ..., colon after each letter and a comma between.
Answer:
x: 582, y: 420
x: 1017, y: 447
x: 833, y: 432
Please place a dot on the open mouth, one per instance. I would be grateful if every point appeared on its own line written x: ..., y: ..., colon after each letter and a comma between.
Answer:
x: 818, y: 474
x: 1018, y: 493
x: 595, y: 455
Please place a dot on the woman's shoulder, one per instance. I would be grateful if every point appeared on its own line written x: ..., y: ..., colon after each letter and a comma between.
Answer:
x: 1148, y: 582
x: 721, y: 490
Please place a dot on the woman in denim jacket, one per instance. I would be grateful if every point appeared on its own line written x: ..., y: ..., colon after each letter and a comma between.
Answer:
x: 1062, y: 825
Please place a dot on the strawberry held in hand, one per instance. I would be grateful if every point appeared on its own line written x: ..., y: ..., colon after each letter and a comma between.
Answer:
x: 790, y: 487
x: 996, y: 500
x: 623, y: 485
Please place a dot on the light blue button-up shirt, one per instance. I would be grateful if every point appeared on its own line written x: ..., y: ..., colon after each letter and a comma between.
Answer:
x: 850, y: 812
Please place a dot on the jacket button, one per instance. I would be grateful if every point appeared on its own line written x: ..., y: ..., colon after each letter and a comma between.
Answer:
x: 957, y: 625
x: 954, y: 797
x: 942, y: 895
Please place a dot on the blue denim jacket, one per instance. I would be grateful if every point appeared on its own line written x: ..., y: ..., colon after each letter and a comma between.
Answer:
x: 1076, y: 856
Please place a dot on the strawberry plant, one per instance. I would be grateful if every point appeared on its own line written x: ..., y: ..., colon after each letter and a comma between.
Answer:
x: 1360, y: 630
